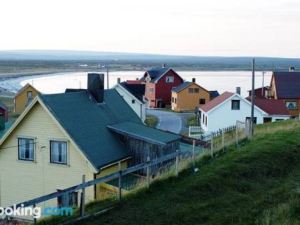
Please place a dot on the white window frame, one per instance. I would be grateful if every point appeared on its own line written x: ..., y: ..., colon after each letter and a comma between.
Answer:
x: 34, y: 148
x: 67, y: 152
x: 169, y: 79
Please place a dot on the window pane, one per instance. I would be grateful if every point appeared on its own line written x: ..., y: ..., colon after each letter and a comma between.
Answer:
x: 26, y: 149
x: 58, y: 152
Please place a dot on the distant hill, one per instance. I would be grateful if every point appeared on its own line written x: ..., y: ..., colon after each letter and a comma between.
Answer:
x: 186, y: 62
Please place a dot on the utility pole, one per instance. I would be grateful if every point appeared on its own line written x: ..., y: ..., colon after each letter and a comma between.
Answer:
x: 252, y: 97
x: 263, y: 84
x: 107, y: 73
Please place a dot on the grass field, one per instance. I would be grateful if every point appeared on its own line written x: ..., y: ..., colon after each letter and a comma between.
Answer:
x: 257, y: 184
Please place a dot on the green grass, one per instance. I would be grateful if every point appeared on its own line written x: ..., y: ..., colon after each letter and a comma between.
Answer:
x: 151, y: 121
x: 257, y: 184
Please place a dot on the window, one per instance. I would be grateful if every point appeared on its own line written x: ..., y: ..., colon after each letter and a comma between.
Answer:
x: 132, y: 101
x: 169, y: 79
x: 191, y: 90
x: 235, y: 104
x: 196, y: 90
x: 151, y: 90
x: 291, y: 105
x: 68, y: 200
x: 267, y: 119
x: 58, y: 152
x: 175, y: 100
x: 26, y: 149
x: 29, y: 94
x: 202, y: 101
x: 29, y: 97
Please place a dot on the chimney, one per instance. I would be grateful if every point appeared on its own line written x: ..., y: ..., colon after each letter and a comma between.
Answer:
x: 292, y: 69
x: 119, y: 80
x: 238, y: 90
x: 194, y: 80
x: 96, y: 86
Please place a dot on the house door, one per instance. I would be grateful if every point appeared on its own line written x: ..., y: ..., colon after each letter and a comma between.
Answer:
x: 160, y: 104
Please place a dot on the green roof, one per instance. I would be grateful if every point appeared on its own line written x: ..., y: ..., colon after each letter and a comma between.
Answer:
x: 86, y: 122
x: 144, y: 133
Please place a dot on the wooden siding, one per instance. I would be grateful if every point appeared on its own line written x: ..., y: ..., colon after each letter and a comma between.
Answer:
x: 24, y: 180
x: 21, y: 101
x: 140, y: 150
x: 101, y: 189
x: 186, y: 101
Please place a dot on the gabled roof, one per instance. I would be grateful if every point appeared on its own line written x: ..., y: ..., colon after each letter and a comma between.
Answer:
x: 182, y: 86
x: 85, y: 121
x: 136, y: 89
x: 141, y: 132
x: 213, y: 94
x: 156, y: 73
x: 271, y: 106
x: 287, y: 84
x: 185, y: 85
x: 216, y: 101
x: 24, y: 88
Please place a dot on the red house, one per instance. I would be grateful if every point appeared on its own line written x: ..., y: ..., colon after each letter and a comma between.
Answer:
x: 159, y: 83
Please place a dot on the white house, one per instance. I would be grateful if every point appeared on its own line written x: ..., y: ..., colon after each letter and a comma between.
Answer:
x: 228, y: 108
x: 133, y: 92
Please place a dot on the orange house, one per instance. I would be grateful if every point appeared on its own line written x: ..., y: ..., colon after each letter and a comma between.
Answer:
x: 188, y: 96
x: 23, y: 98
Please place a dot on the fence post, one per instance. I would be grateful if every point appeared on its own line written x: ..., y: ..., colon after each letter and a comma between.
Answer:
x: 120, y: 181
x: 237, y: 136
x: 223, y: 140
x: 177, y: 163
x: 34, y: 220
x: 212, y: 146
x: 193, y: 156
x: 82, y: 199
x: 148, y: 171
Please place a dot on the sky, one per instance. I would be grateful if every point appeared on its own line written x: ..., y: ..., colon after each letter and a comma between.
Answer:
x: 178, y: 27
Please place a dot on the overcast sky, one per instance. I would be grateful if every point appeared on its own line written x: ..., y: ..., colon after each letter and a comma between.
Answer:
x: 187, y: 27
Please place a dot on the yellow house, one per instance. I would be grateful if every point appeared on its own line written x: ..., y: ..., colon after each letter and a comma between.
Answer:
x: 23, y: 98
x: 55, y: 141
x: 61, y: 137
x: 188, y: 96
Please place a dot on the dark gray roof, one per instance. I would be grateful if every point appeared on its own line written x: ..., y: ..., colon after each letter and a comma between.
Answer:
x: 86, y: 122
x: 287, y: 84
x: 181, y: 86
x: 155, y: 73
x: 138, y: 90
x: 141, y: 132
x: 213, y: 94
x: 90, y: 124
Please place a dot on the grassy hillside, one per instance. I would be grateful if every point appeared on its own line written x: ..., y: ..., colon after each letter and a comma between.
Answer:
x: 257, y: 184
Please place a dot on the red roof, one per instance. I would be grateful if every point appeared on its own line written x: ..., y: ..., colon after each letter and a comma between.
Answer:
x: 272, y: 106
x: 133, y: 82
x: 216, y: 101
